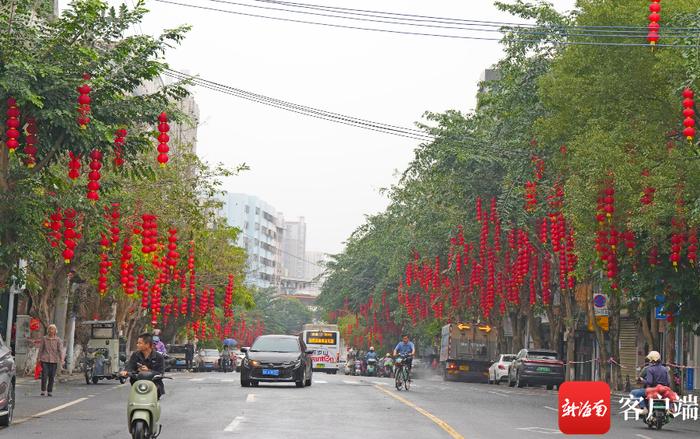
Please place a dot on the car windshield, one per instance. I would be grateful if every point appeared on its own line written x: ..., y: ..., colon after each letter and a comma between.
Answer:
x: 508, y: 358
x: 176, y: 349
x: 534, y: 355
x: 211, y: 352
x: 276, y: 344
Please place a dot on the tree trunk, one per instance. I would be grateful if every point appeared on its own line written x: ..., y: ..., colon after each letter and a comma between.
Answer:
x: 647, y: 331
x: 570, y: 325
x: 614, y: 332
x: 535, y: 326
x: 517, y: 331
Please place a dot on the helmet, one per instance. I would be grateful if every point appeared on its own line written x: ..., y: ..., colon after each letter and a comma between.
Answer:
x: 654, y: 356
x: 156, y: 339
x: 388, y: 354
x: 371, y: 348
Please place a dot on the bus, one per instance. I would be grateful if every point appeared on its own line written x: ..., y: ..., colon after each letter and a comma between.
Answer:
x: 326, y: 343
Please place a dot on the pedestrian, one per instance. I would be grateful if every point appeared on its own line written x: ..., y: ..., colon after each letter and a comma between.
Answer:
x: 189, y: 354
x: 51, y: 354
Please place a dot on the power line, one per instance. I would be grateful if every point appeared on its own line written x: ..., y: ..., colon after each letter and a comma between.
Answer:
x: 463, y: 37
x: 453, y: 24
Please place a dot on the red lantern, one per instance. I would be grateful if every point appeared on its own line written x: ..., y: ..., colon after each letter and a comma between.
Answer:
x: 30, y: 149
x: 693, y: 246
x: 654, y: 17
x: 119, y: 140
x: 73, y: 165
x: 149, y: 235
x: 689, y: 113
x: 163, y: 139
x: 13, y: 124
x: 69, y: 235
x: 84, y: 102
x: 173, y: 255
x: 94, y: 176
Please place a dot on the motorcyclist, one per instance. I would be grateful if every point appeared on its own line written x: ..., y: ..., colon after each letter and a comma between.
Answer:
x: 226, y: 353
x: 651, y: 375
x: 388, y: 364
x: 406, y: 347
x: 371, y: 354
x: 145, y: 359
x: 159, y: 345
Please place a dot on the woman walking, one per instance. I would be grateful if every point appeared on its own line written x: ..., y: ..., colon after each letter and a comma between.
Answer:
x: 50, y: 355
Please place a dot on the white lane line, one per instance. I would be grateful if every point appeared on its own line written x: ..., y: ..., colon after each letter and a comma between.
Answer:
x: 351, y: 382
x: 320, y: 382
x: 498, y: 393
x: 250, y: 398
x: 381, y: 383
x: 541, y: 430
x: 234, y: 424
x: 642, y: 436
x: 228, y: 381
x: 194, y: 380
x: 551, y: 408
x: 48, y: 412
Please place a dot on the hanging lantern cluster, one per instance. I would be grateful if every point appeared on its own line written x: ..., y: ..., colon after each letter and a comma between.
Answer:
x: 127, y: 267
x: 692, y: 246
x: 677, y: 240
x: 530, y: 195
x: 653, y: 256
x: 94, y: 176
x: 155, y: 304
x: 105, y: 265
x: 173, y: 255
x: 142, y: 285
x: 149, y: 233
x: 73, y: 165
x: 163, y: 139
x: 629, y: 241
x: 69, y: 235
x: 84, y: 102
x: 228, y: 298
x: 689, y: 114
x: 55, y: 226
x: 13, y: 124
x: 119, y: 140
x: 30, y: 148
x: 654, y: 17
x: 606, y: 203
x: 113, y: 217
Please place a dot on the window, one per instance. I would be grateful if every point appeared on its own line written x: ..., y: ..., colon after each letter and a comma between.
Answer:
x: 247, y: 209
x: 257, y: 211
x: 257, y: 226
x: 246, y: 225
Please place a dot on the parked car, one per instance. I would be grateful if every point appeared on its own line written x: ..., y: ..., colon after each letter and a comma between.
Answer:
x: 207, y: 360
x: 7, y: 384
x: 277, y: 358
x: 538, y: 367
x: 239, y: 359
x: 176, y: 352
x: 498, y: 371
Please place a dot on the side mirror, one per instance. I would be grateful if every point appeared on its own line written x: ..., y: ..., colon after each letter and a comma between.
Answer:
x: 310, y: 352
x: 244, y: 349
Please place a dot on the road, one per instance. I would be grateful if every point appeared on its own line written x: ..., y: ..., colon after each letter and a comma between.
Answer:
x: 214, y: 405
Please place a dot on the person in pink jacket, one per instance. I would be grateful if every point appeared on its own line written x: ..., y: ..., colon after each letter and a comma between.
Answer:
x: 51, y: 355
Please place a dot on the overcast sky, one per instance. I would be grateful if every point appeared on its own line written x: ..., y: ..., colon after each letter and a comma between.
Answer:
x: 328, y: 173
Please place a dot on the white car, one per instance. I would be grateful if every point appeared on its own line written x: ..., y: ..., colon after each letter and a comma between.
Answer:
x: 239, y: 359
x: 499, y: 370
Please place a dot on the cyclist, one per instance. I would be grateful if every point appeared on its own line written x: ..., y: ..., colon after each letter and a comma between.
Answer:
x: 651, y: 376
x: 406, y: 348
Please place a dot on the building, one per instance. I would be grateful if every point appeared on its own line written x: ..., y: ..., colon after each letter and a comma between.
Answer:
x: 262, y: 232
x: 294, y: 249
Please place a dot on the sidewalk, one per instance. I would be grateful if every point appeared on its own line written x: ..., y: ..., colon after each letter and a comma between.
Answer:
x: 63, y: 378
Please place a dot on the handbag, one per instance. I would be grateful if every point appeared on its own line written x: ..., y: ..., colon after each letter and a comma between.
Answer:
x: 37, y: 370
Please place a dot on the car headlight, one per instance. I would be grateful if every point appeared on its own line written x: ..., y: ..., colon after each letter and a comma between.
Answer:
x: 142, y: 388
x: 253, y: 363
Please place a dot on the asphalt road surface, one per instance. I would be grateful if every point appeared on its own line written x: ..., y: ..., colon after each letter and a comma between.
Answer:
x: 214, y: 405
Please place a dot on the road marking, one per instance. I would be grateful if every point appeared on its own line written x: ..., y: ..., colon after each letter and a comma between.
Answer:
x: 196, y: 379
x: 642, y: 436
x: 320, y: 382
x: 228, y: 381
x: 498, y: 393
x: 234, y: 424
x: 551, y: 408
x: 48, y: 412
x: 540, y: 430
x: 250, y: 398
x: 381, y: 383
x: 442, y: 424
x: 351, y: 382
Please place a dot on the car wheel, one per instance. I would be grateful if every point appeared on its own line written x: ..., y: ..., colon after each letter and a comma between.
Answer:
x: 87, y: 378
x: 245, y: 382
x: 6, y: 420
x: 95, y: 380
x: 497, y: 380
x: 550, y: 386
x: 254, y: 383
x: 511, y: 383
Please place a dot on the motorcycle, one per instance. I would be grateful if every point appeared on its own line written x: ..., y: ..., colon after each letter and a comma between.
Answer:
x: 143, y: 407
x: 659, y: 413
x: 226, y: 364
x: 358, y: 368
x: 372, y: 367
x: 97, y: 365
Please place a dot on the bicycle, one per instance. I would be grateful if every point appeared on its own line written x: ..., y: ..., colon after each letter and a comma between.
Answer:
x: 402, y: 375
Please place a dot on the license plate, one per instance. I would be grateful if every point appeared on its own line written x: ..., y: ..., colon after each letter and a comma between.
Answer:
x: 464, y: 368
x: 179, y: 362
x: 271, y: 372
x: 320, y: 366
x: 542, y: 369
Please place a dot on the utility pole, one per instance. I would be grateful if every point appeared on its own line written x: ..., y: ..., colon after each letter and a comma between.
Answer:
x: 70, y: 343
x: 14, y: 290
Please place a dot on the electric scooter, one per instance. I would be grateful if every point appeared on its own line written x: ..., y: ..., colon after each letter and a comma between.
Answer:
x: 143, y: 407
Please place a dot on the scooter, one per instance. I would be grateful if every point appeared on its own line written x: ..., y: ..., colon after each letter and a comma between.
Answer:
x: 659, y: 413
x: 143, y: 407
x: 226, y: 364
x: 372, y: 367
x: 358, y: 367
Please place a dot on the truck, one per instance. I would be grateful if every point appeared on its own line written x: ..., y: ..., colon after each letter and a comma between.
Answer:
x: 325, y: 340
x: 467, y: 350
